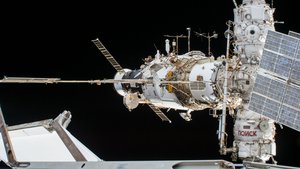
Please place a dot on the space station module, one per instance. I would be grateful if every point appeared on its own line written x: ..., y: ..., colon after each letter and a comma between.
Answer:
x: 193, y: 81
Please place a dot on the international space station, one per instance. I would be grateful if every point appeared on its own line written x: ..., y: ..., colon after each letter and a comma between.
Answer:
x: 258, y: 85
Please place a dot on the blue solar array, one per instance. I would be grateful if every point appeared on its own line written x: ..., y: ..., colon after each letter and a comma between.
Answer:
x: 281, y: 55
x: 294, y: 34
x: 276, y: 92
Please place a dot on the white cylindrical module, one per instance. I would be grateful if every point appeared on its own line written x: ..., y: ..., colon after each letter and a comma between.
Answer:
x: 252, y: 130
x: 161, y: 95
x: 253, y: 133
x: 251, y: 24
x: 201, y: 77
x: 254, y: 136
x: 248, y: 151
x: 118, y: 86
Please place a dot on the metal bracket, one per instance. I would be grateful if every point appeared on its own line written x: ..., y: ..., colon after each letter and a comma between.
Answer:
x: 8, y: 145
x: 78, y: 156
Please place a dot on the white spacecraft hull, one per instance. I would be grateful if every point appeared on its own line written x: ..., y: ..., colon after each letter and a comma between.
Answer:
x: 43, y: 145
x: 209, y: 164
x: 47, y: 144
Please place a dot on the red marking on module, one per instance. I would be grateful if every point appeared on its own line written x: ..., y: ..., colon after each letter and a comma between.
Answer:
x: 247, y: 133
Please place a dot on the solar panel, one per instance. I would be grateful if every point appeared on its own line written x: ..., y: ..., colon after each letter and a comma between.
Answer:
x: 269, y: 87
x: 276, y: 92
x: 294, y: 34
x: 295, y: 72
x: 290, y: 117
x: 281, y: 55
x: 277, y: 101
x: 292, y: 96
x: 264, y: 106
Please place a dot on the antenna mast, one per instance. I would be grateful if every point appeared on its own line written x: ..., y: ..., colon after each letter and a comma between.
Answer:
x: 189, y: 39
x: 222, y: 118
x: 181, y: 36
x: 235, y: 4
x: 215, y: 35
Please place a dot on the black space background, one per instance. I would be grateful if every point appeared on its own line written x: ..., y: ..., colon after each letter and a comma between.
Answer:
x: 53, y: 39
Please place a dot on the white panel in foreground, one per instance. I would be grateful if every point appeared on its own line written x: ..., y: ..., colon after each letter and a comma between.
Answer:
x: 203, y: 164
x: 38, y: 144
x: 88, y: 154
x: 43, y: 142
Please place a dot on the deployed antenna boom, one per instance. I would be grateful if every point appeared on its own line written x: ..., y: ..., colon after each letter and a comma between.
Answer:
x: 97, y: 81
x: 159, y: 113
x: 107, y: 55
